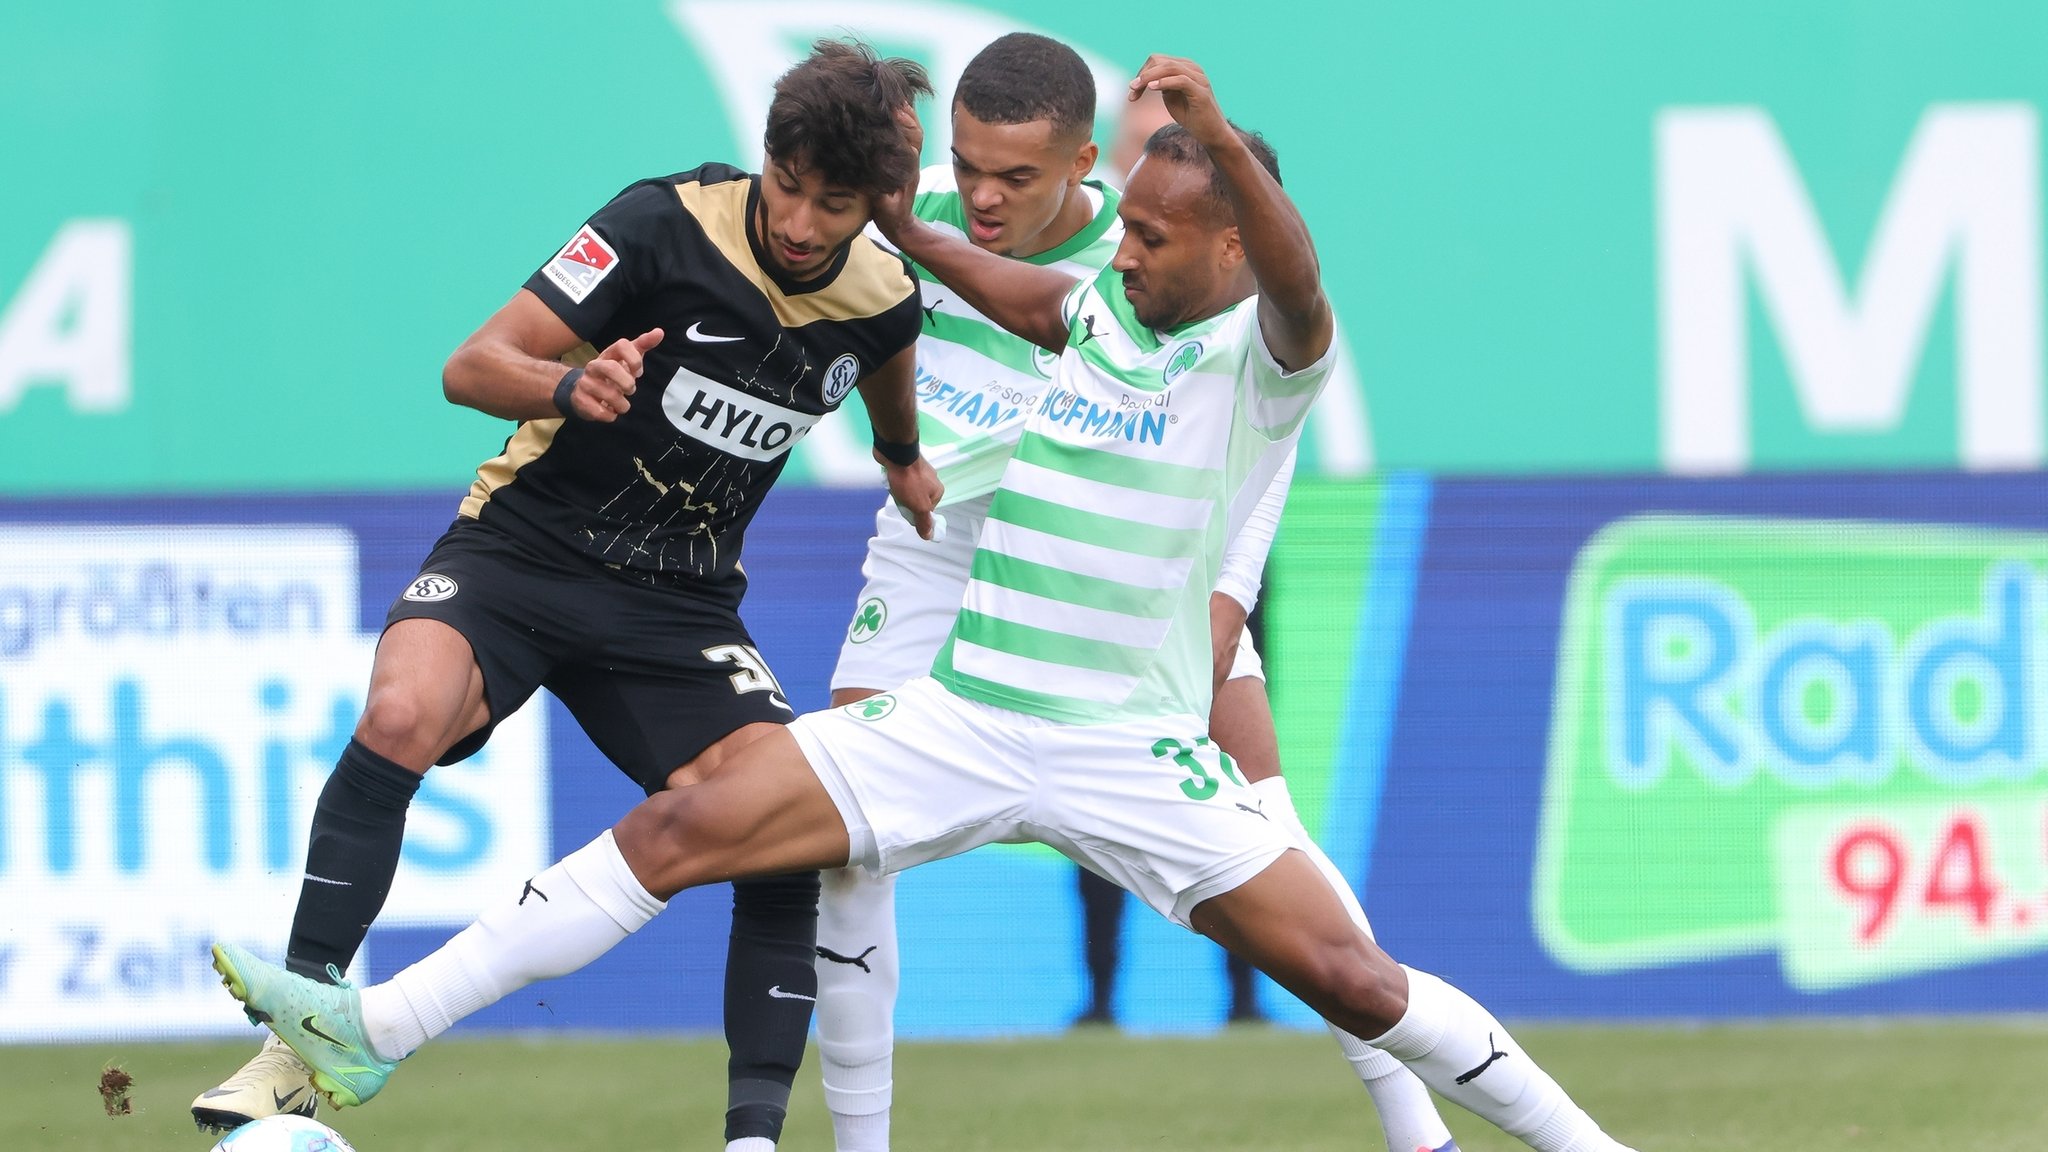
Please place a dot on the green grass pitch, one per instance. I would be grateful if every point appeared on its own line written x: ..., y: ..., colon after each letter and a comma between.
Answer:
x: 1815, y: 1087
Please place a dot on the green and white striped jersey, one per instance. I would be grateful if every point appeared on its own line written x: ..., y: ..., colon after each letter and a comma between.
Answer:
x: 1088, y: 598
x: 976, y: 382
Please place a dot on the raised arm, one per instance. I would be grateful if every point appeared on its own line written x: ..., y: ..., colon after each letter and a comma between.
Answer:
x: 1293, y: 312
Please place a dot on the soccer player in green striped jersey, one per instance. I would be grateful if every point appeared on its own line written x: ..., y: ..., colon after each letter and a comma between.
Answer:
x: 1022, y: 117
x: 1018, y: 185
x: 1068, y: 706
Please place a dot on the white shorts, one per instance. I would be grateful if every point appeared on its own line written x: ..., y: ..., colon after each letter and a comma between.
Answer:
x: 912, y: 591
x: 920, y: 774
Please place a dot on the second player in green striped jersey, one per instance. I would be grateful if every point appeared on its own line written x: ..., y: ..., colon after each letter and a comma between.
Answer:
x: 976, y: 382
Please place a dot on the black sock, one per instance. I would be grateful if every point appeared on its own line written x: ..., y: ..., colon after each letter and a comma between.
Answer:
x: 1102, y: 916
x: 771, y: 987
x: 351, y: 856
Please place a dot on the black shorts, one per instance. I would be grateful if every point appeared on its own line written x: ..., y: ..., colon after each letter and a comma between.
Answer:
x: 654, y: 675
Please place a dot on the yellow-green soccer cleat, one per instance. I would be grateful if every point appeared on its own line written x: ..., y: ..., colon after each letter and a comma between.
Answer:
x: 321, y: 1022
x: 273, y: 1083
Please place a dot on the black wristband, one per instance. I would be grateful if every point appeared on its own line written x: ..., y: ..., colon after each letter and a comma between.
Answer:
x: 565, y: 389
x: 901, y: 455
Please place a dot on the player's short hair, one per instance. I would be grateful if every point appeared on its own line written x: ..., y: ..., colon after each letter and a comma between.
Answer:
x: 835, y: 112
x: 1175, y: 143
x: 1023, y: 77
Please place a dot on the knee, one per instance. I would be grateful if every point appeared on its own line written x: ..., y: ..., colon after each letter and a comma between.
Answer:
x: 666, y: 838
x: 1363, y: 979
x: 393, y: 726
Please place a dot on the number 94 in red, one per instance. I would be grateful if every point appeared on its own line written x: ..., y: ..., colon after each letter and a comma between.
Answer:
x: 1888, y: 874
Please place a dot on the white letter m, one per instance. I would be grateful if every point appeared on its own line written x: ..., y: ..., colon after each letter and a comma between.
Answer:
x: 1729, y: 197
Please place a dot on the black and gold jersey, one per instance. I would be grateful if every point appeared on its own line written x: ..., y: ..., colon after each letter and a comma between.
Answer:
x: 749, y: 362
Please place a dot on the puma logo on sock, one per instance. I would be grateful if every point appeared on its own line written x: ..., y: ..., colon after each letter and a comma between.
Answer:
x: 860, y: 961
x: 1468, y: 1077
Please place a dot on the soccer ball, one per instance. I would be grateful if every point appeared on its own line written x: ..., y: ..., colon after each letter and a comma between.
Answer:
x: 283, y: 1134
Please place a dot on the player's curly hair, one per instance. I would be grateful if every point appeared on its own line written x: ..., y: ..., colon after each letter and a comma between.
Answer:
x: 1175, y: 143
x: 1024, y: 77
x: 836, y: 113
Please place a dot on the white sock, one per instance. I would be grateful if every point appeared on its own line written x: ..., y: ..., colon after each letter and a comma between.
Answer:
x: 851, y: 1132
x: 858, y: 977
x: 750, y: 1144
x: 1407, y: 1112
x: 564, y: 918
x: 1459, y: 1049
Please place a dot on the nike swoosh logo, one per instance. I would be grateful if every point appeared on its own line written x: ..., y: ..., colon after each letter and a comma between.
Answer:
x: 325, y: 880
x: 284, y: 1102
x: 696, y: 332
x: 776, y: 991
x: 307, y: 1024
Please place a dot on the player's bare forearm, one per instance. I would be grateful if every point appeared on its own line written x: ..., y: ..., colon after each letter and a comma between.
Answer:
x: 1292, y: 308
x: 890, y: 395
x: 1023, y: 299
x: 511, y: 367
x: 1294, y: 311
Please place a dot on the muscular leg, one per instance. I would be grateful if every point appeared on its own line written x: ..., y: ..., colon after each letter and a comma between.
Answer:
x: 771, y: 979
x: 425, y: 694
x: 858, y: 978
x: 1241, y: 721
x: 762, y: 812
x: 1289, y: 923
x: 857, y: 982
x: 771, y: 986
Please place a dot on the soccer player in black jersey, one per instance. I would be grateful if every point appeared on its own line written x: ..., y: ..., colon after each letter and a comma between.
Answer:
x: 712, y: 318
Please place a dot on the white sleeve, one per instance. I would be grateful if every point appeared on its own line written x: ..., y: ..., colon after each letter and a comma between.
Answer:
x: 1276, y: 400
x: 1244, y: 562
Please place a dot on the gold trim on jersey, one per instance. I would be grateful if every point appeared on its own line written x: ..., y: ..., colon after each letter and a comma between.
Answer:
x: 526, y: 445
x: 524, y: 448
x: 871, y: 283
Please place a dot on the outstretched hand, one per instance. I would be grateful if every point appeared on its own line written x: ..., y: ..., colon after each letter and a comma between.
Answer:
x: 1189, y: 99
